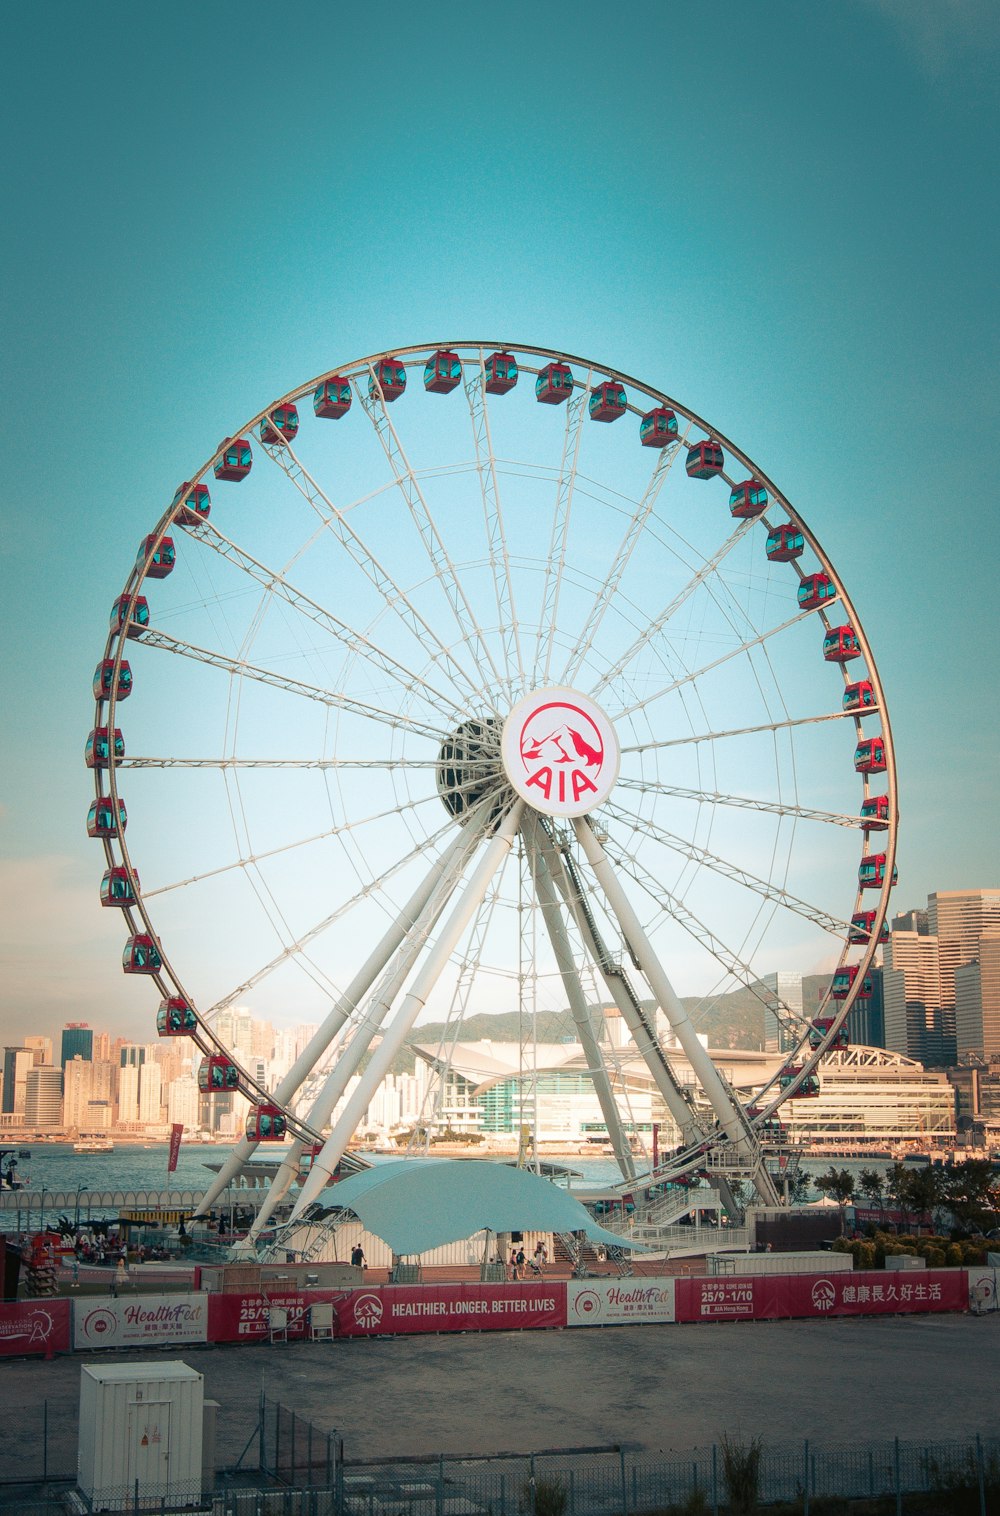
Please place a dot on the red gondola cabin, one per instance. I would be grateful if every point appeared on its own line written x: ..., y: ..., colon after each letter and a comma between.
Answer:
x: 554, y: 384
x: 875, y: 814
x: 141, y: 955
x: 266, y: 1123
x: 139, y: 619
x: 869, y: 756
x: 389, y: 377
x: 280, y: 426
x: 104, y: 678
x: 784, y: 543
x: 843, y: 981
x: 501, y: 373
x: 815, y: 590
x: 116, y: 887
x: 98, y: 750
x: 748, y: 499
x: 809, y: 1085
x: 860, y: 696
x: 101, y: 820
x: 608, y: 401
x: 194, y: 501
x: 658, y: 428
x: 818, y: 1029
x: 332, y: 398
x: 840, y: 645
x: 871, y: 874
x: 217, y: 1073
x: 161, y: 557
x: 175, y: 1018
x: 862, y: 926
x: 705, y: 460
x: 235, y: 459
x: 442, y: 372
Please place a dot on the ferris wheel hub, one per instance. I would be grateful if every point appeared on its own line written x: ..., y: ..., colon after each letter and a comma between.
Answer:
x: 560, y: 752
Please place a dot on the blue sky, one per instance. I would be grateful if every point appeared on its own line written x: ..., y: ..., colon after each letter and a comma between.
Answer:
x: 784, y: 214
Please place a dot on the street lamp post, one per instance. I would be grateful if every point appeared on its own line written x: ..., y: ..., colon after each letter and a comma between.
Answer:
x: 81, y: 1189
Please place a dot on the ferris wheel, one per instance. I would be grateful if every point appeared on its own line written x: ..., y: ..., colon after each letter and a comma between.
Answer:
x: 502, y: 682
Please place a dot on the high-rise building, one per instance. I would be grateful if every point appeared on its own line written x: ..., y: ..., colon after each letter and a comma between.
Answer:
x: 150, y: 1113
x: 866, y: 1018
x: 977, y: 1000
x: 41, y: 1049
x: 783, y: 989
x: 78, y: 1092
x: 958, y: 918
x: 182, y: 1102
x: 43, y: 1098
x: 77, y: 1042
x: 16, y: 1063
x: 914, y: 1023
x: 128, y: 1094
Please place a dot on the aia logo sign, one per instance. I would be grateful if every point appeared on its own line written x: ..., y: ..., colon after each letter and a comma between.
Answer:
x: 560, y: 752
x: 824, y: 1295
x: 368, y: 1312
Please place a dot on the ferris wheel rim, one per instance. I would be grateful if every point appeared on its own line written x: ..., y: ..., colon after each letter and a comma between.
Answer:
x: 117, y: 642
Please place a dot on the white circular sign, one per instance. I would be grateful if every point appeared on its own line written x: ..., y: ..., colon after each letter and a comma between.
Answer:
x: 560, y: 752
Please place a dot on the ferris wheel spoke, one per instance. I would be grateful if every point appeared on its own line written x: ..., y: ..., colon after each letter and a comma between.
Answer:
x: 372, y: 887
x: 244, y: 670
x: 650, y: 633
x: 420, y: 514
x: 383, y: 765
x: 277, y: 584
x: 555, y: 563
x: 496, y: 534
x: 632, y: 536
x: 742, y: 731
x: 393, y: 596
x: 673, y: 908
x: 744, y: 802
x: 721, y: 866
x: 251, y: 859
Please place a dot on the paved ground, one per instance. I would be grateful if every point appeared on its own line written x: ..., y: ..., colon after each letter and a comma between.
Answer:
x: 667, y: 1387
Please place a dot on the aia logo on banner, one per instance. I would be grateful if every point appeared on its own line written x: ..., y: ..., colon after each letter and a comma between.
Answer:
x: 560, y: 752
x: 588, y: 1304
x: 824, y: 1295
x: 368, y: 1312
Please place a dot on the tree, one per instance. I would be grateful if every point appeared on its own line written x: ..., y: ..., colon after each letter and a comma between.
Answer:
x: 972, y: 1194
x: 920, y: 1190
x: 839, y: 1185
x: 872, y: 1186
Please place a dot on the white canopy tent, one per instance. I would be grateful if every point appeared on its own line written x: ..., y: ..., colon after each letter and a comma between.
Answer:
x: 418, y: 1204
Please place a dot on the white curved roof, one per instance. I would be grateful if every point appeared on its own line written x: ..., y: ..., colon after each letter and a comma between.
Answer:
x: 415, y: 1204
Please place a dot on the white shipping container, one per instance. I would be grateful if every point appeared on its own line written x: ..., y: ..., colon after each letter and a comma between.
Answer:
x: 743, y: 1264
x: 140, y: 1425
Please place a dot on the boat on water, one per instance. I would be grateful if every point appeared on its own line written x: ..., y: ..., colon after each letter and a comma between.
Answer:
x: 94, y: 1144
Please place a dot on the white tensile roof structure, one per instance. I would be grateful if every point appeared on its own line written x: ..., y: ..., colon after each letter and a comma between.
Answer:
x: 417, y: 1204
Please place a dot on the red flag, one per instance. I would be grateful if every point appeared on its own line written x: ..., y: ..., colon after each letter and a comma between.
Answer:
x: 175, y: 1145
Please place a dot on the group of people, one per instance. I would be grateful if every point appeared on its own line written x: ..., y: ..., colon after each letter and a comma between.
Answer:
x: 519, y: 1261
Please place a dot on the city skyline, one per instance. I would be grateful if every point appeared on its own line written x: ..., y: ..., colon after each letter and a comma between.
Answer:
x: 772, y: 238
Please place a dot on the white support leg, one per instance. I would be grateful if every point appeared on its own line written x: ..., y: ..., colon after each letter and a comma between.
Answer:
x: 701, y: 1064
x: 642, y: 1030
x: 473, y: 896
x: 335, y: 1020
x: 406, y: 956
x: 561, y: 947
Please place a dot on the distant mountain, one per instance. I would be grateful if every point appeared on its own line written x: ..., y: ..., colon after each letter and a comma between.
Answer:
x: 735, y: 1020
